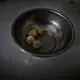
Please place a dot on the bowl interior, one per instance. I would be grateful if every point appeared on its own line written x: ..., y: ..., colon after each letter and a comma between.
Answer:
x: 60, y: 28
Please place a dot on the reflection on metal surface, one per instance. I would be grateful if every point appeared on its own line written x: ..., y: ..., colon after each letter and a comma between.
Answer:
x: 55, y: 23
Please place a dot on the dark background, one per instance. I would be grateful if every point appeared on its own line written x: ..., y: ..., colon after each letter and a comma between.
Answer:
x: 15, y: 65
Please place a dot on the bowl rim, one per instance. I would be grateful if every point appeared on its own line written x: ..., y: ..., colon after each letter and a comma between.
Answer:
x: 43, y: 55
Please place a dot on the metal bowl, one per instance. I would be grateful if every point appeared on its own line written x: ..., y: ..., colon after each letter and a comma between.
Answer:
x: 60, y: 31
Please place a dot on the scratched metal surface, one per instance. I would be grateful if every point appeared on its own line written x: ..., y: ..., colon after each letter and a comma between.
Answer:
x: 14, y: 64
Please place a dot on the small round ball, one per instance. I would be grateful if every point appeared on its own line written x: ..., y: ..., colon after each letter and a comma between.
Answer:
x: 39, y: 29
x: 36, y: 44
x: 33, y: 32
x: 30, y: 39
